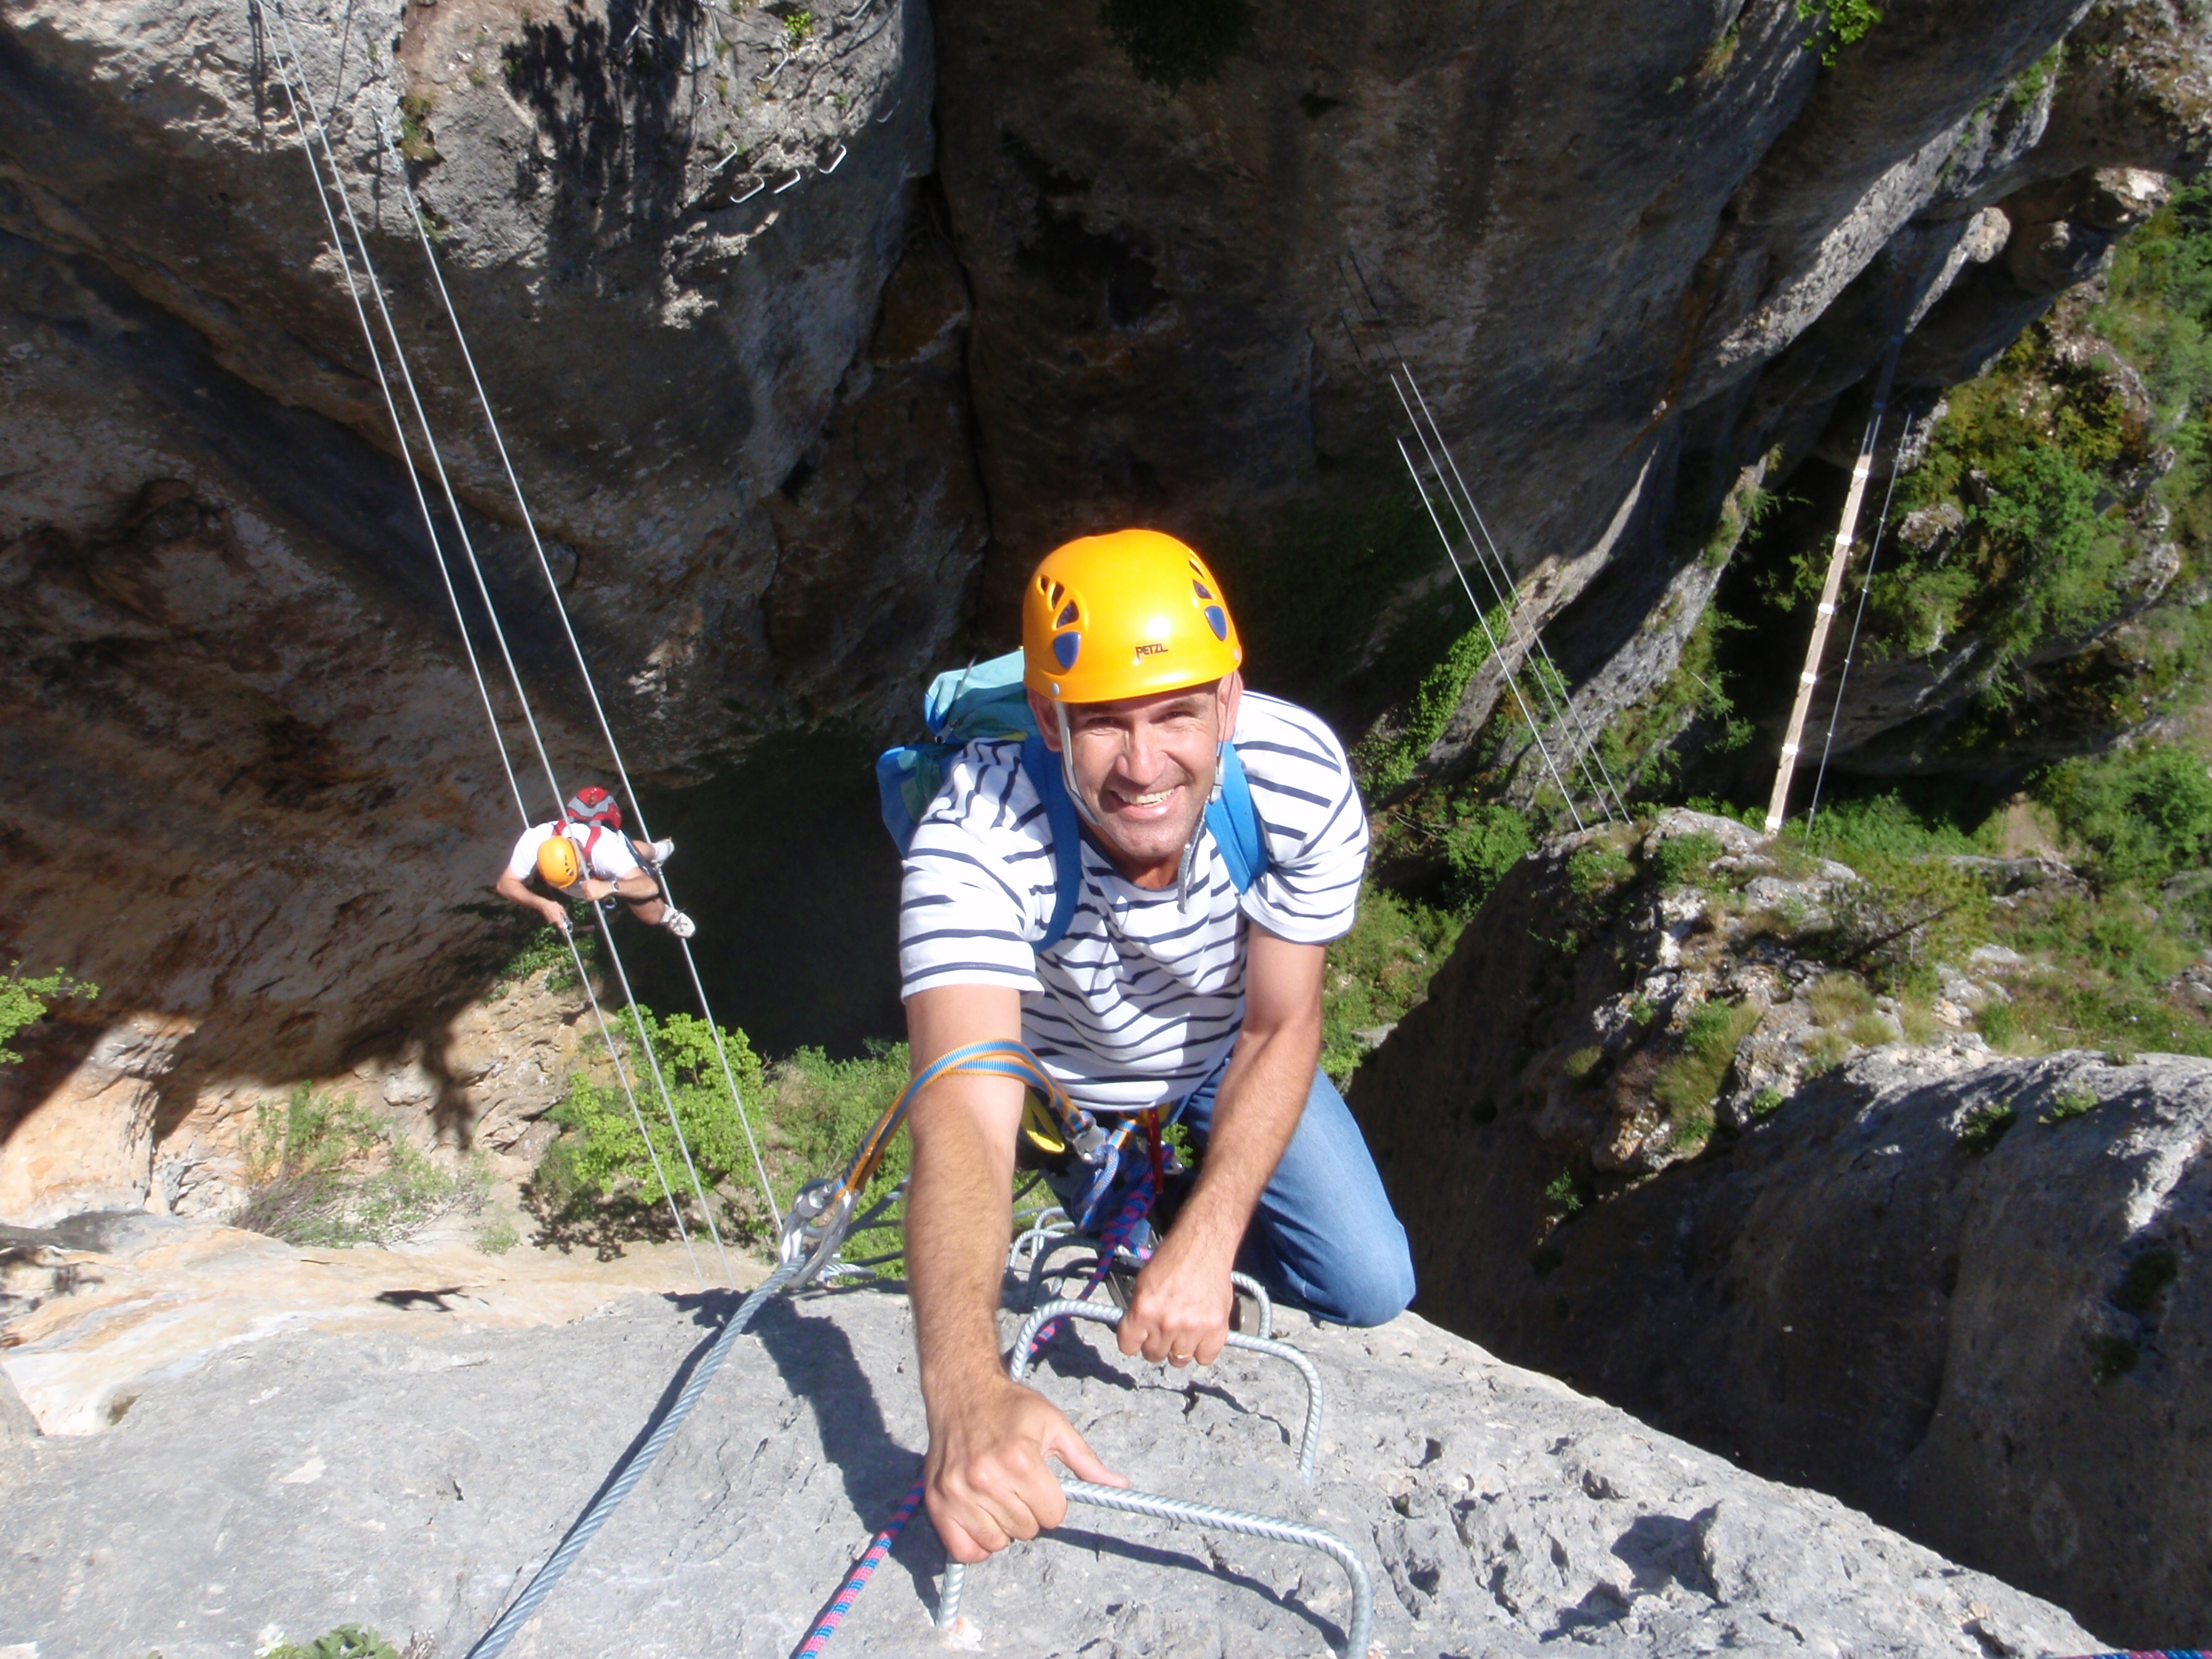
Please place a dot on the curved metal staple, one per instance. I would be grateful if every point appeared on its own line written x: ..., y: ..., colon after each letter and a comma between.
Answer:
x: 1223, y: 1520
x: 847, y: 16
x: 888, y: 113
x: 763, y: 80
x: 1309, y: 1445
x: 293, y: 96
x: 749, y: 194
x: 1259, y: 1293
x: 835, y: 164
x: 494, y: 1640
x: 790, y: 182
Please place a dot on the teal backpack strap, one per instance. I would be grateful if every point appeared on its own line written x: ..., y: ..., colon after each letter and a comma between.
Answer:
x: 1236, y: 824
x: 1043, y: 768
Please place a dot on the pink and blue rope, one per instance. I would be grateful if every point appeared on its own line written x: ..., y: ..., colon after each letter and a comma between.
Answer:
x: 841, y: 1603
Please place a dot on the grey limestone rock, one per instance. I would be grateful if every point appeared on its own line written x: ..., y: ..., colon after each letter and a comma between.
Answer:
x: 299, y: 1482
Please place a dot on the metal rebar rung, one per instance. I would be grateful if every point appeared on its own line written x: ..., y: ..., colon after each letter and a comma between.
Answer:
x: 1044, y: 1315
x: 1206, y: 1515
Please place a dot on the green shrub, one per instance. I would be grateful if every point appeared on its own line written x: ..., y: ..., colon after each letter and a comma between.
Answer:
x: 1592, y: 871
x: 1683, y: 859
x: 797, y: 26
x: 1981, y: 1129
x: 1837, y: 24
x: 327, y: 1172
x: 1687, y: 1083
x: 1481, y: 847
x: 24, y: 1001
x: 2143, y: 813
x: 2069, y: 1103
x: 1171, y: 44
x: 600, y: 1172
x: 1379, y: 971
x: 1563, y: 1194
x: 1767, y: 1101
x: 1999, y: 1026
x: 1583, y: 1062
x: 1388, y: 757
x: 1906, y: 914
x: 346, y: 1642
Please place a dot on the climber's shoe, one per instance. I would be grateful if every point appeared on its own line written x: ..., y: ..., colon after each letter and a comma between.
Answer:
x: 663, y: 851
x: 679, y: 924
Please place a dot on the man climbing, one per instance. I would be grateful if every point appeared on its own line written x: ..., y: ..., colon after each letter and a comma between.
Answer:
x: 584, y: 856
x: 1168, y: 988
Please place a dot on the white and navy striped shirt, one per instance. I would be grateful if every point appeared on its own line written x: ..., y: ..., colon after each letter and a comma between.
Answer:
x: 1141, y: 999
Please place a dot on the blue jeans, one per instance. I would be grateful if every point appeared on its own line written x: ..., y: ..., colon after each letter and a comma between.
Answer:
x: 1323, y: 1234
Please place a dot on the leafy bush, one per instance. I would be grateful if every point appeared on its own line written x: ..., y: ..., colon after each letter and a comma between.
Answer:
x: 1884, y: 824
x: 2143, y: 813
x: 1999, y: 1025
x: 1594, y: 870
x: 1687, y: 1084
x: 598, y: 1177
x: 1563, y: 1193
x: 1481, y: 847
x: 596, y: 1184
x: 1171, y: 44
x: 327, y: 1172
x: 346, y: 1642
x: 1378, y: 971
x: 24, y: 1001
x: 1682, y: 858
x: 1839, y: 999
x: 1983, y: 1127
x: 1838, y: 24
x: 1906, y: 914
x: 2069, y: 1103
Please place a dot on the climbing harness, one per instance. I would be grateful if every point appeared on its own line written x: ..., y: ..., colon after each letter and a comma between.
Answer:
x: 1442, y: 470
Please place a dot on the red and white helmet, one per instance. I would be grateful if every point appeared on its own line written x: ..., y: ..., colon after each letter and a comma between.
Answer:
x: 592, y: 805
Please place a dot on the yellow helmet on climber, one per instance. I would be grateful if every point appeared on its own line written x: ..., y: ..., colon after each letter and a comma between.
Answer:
x: 558, y: 863
x: 1124, y: 615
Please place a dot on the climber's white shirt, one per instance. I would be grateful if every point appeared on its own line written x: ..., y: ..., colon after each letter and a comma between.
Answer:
x: 1141, y: 1000
x: 607, y: 855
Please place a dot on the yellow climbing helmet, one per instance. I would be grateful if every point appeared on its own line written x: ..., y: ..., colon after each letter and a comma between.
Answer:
x: 1124, y: 615
x: 558, y: 863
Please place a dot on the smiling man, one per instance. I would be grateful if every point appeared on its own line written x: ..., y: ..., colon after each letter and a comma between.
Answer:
x: 1170, y: 988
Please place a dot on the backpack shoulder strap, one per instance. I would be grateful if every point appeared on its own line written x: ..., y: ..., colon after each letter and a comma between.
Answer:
x: 1043, y: 768
x: 1234, y: 823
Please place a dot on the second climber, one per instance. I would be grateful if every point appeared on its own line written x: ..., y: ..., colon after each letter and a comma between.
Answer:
x: 583, y: 854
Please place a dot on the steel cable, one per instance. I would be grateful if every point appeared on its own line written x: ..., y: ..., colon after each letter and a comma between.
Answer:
x: 494, y: 1640
x: 293, y: 96
x: 575, y: 647
x: 468, y: 549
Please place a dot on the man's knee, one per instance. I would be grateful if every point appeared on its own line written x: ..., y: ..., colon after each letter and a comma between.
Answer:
x: 1373, y: 1287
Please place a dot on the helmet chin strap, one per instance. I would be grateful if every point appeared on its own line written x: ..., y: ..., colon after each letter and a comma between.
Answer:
x: 1068, y: 768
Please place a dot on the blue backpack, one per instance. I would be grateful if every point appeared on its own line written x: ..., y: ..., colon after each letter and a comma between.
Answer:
x: 986, y: 701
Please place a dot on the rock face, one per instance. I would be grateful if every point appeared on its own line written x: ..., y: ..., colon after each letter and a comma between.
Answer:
x: 231, y: 690
x: 779, y: 364
x: 1966, y: 1292
x: 411, y: 1482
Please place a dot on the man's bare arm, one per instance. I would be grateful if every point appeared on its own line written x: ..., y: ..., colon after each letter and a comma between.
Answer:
x: 511, y: 887
x: 989, y: 1436
x: 1181, y: 1307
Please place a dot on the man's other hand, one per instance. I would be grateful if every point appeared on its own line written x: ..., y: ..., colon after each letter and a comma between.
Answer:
x: 989, y: 1480
x: 1180, y: 1312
